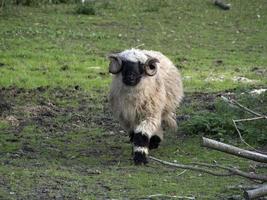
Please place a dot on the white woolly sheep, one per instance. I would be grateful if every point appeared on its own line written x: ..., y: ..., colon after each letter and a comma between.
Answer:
x: 145, y: 91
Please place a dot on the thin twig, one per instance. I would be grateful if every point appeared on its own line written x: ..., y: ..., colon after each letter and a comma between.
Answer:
x: 259, y: 116
x: 182, y: 173
x: 170, y: 196
x: 231, y: 171
x: 242, y: 139
x: 139, y: 45
x: 248, y: 110
x: 249, y: 119
x: 196, y: 168
x: 234, y: 102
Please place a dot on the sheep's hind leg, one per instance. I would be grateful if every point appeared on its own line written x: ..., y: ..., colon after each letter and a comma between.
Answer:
x: 131, y: 136
x: 140, y: 149
x: 155, y: 140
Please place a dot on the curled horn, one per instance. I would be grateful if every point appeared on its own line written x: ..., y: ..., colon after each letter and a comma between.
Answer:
x: 115, y: 64
x: 151, y: 66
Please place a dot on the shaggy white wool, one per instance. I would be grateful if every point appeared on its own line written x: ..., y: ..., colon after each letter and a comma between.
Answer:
x: 144, y: 107
x: 133, y: 55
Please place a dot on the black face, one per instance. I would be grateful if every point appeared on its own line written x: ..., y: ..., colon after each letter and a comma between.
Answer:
x: 132, y: 72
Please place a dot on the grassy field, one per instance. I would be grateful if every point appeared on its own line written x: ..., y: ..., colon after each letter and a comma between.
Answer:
x: 58, y: 139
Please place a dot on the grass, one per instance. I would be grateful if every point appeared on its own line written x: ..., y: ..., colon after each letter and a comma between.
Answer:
x: 57, y: 136
x: 200, y: 33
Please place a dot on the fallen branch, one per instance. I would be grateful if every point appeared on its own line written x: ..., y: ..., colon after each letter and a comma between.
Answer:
x: 243, y: 187
x: 230, y: 171
x: 261, y: 165
x: 255, y: 193
x: 213, y: 144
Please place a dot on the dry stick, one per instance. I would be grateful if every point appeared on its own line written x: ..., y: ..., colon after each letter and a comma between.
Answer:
x: 238, y: 172
x: 249, y: 119
x: 169, y: 196
x: 260, y: 116
x: 213, y: 144
x: 255, y: 193
x: 243, y: 187
x: 190, y: 167
x: 234, y: 102
x: 240, y: 135
x: 261, y: 165
x: 231, y: 171
x: 181, y: 173
x: 138, y: 46
x: 235, y: 171
x: 248, y: 110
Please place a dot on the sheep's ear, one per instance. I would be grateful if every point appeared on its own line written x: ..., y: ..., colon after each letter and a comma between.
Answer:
x: 151, y: 66
x: 115, y: 64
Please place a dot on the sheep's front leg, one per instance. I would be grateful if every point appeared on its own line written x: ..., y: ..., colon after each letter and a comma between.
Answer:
x: 140, y: 149
x: 142, y: 135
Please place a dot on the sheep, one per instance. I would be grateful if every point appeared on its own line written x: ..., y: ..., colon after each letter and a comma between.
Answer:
x: 145, y: 91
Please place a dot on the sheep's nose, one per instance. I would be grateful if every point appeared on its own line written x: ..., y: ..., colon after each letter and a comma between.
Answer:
x: 131, y: 76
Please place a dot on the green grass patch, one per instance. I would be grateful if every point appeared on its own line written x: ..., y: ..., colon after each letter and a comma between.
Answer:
x: 213, y: 47
x: 215, y: 118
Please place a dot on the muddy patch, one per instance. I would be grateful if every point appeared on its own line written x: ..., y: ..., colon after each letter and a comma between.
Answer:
x: 57, y: 111
x: 4, y: 104
x: 54, y: 109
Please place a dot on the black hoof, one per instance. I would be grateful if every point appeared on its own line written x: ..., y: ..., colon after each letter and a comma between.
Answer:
x: 140, y: 158
x: 154, y: 142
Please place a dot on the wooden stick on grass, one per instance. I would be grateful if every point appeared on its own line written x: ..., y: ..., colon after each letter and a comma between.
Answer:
x: 255, y: 193
x: 226, y: 148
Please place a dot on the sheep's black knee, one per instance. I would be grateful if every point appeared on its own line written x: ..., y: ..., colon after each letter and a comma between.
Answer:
x: 154, y: 142
x: 140, y: 140
x: 141, y: 143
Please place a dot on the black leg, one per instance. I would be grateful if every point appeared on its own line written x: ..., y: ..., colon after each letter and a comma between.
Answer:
x: 154, y: 142
x: 141, y: 143
x: 140, y: 158
x: 131, y: 136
